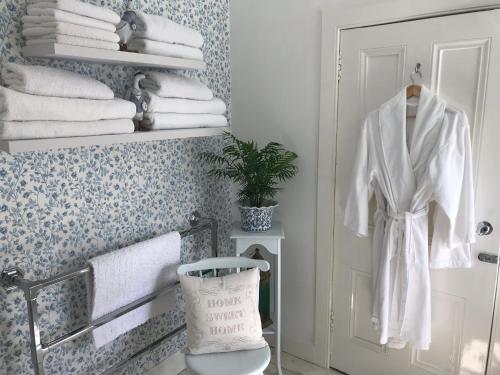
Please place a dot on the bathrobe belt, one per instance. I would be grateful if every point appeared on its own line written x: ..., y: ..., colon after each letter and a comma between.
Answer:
x: 399, y: 227
x: 397, y: 220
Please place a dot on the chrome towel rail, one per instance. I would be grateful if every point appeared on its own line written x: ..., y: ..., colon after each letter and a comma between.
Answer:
x: 13, y: 278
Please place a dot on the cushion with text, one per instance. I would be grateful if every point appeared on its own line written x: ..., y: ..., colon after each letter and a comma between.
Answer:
x: 222, y: 313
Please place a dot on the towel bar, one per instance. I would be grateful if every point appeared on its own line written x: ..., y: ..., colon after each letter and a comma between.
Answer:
x: 13, y: 278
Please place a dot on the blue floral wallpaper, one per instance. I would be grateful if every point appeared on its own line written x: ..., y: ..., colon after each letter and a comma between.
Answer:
x: 60, y: 208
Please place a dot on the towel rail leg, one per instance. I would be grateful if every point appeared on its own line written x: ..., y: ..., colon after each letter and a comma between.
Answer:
x: 37, y: 352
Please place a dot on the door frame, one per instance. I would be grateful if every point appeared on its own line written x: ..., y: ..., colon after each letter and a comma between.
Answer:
x: 334, y: 21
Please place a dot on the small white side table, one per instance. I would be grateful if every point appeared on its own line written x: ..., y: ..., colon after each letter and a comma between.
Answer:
x: 271, y: 241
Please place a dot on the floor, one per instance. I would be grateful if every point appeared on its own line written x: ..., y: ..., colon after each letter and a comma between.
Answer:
x: 293, y: 366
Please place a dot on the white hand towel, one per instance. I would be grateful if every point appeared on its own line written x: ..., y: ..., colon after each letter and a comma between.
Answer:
x: 81, y: 8
x: 39, y: 15
x: 156, y: 121
x: 57, y: 129
x: 169, y: 85
x: 162, y: 29
x: 69, y: 29
x: 41, y: 80
x: 123, y: 276
x: 173, y: 105
x: 17, y: 106
x: 153, y: 47
x: 74, y: 41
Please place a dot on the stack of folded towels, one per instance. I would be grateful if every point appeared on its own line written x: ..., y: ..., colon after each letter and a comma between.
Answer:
x: 45, y: 102
x: 175, y: 102
x: 71, y: 22
x: 157, y: 35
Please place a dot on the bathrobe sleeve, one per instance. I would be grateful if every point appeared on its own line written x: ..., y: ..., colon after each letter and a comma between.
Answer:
x: 361, y: 189
x: 452, y: 178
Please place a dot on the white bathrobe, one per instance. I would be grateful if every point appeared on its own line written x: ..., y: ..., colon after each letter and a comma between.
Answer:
x: 406, y: 168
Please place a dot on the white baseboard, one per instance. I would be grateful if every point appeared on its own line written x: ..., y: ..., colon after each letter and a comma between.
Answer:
x: 173, y: 365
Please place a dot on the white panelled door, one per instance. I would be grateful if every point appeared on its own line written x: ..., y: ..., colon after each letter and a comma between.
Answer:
x: 460, y: 57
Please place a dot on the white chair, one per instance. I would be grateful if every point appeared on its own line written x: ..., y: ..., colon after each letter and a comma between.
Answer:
x: 243, y: 362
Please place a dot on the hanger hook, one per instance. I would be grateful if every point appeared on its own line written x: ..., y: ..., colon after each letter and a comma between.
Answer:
x: 416, y: 70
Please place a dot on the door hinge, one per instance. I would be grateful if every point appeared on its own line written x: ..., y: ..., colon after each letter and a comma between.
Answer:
x: 332, y: 319
x: 339, y: 68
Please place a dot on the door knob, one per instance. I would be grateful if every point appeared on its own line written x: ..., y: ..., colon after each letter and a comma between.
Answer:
x: 488, y: 258
x: 484, y: 228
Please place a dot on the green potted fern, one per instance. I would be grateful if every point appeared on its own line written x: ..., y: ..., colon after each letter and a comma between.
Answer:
x: 258, y: 173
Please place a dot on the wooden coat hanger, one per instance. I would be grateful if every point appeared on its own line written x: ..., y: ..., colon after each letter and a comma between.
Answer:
x: 413, y: 91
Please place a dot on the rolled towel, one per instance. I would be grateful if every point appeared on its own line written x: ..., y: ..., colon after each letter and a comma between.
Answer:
x: 153, y: 47
x: 65, y: 28
x: 169, y: 85
x: 39, y: 15
x: 56, y: 129
x: 81, y: 8
x: 157, y: 121
x: 161, y: 29
x: 74, y: 41
x: 41, y: 80
x: 158, y: 104
x: 17, y: 106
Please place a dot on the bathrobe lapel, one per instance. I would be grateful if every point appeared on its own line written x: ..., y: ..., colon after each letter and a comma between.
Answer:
x: 406, y: 164
x: 392, y: 123
x: 430, y: 115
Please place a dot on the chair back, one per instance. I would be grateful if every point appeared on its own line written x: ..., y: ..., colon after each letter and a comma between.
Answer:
x: 228, y: 263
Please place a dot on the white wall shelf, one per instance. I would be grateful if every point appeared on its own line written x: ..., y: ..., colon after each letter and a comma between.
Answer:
x: 67, y: 52
x: 27, y: 145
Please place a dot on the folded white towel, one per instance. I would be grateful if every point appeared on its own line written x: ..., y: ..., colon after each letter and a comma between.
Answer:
x: 123, y: 276
x: 156, y: 121
x: 174, y: 105
x: 57, y: 129
x: 17, y: 106
x: 162, y: 29
x: 81, y: 8
x: 74, y: 41
x: 42, y: 80
x: 153, y: 47
x: 65, y: 28
x: 169, y: 85
x: 40, y: 15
